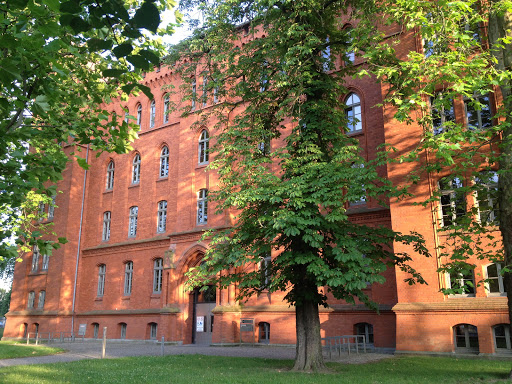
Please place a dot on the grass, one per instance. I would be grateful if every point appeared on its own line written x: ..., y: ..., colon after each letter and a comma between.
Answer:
x: 225, y: 370
x: 12, y: 349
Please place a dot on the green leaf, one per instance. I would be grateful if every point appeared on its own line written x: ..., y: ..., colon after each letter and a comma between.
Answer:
x: 95, y: 44
x: 147, y: 16
x: 82, y: 162
x: 113, y: 72
x: 138, y: 62
x: 123, y: 50
x: 150, y: 56
x: 127, y: 88
x: 146, y: 90
x: 72, y: 7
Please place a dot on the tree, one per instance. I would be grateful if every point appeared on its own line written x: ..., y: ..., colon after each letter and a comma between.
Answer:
x: 286, y: 166
x: 467, y: 53
x: 5, y: 300
x: 60, y: 61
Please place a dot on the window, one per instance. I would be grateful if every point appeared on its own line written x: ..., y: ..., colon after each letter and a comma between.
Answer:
x: 136, y: 169
x: 205, y: 91
x: 139, y: 115
x: 265, y: 267
x: 326, y: 56
x: 452, y: 204
x: 441, y: 109
x: 216, y: 93
x: 106, y: 226
x: 166, y: 108
x: 132, y: 225
x: 350, y: 55
x: 202, y: 206
x: 164, y: 162
x: 35, y: 259
x: 102, y: 269
x: 478, y: 112
x: 194, y: 91
x: 96, y: 330
x: 46, y: 261
x: 463, y: 282
x: 162, y: 216
x: 51, y: 208
x: 353, y: 112
x: 502, y: 338
x: 40, y: 301
x: 153, y: 328
x: 157, y: 275
x: 361, y: 195
x: 264, y: 146
x: 494, y: 283
x: 152, y: 114
x: 466, y: 336
x: 40, y: 211
x: 31, y: 297
x: 128, y: 276
x: 487, y: 196
x: 110, y: 176
x: 366, y: 330
x: 203, y: 147
x: 123, y: 330
x: 127, y: 116
x: 264, y: 328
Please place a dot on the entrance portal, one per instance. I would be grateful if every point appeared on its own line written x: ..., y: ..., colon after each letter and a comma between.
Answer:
x: 204, y: 302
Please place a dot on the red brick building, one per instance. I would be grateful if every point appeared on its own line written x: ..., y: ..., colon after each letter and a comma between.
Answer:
x: 134, y: 224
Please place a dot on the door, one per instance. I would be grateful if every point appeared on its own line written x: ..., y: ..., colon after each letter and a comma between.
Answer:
x: 204, y: 302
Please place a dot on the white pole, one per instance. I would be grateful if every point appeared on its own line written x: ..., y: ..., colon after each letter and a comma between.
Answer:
x: 104, y: 342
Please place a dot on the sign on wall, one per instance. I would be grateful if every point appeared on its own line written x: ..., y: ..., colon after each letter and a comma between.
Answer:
x: 81, y: 329
x: 200, y: 324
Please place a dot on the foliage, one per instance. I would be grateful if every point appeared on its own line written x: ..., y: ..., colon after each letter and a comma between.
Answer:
x: 462, y: 60
x: 15, y: 349
x: 5, y: 300
x: 225, y: 370
x: 60, y: 61
x: 287, y: 167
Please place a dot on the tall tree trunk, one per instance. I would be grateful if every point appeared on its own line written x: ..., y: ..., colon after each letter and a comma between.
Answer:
x: 500, y: 26
x: 308, y: 355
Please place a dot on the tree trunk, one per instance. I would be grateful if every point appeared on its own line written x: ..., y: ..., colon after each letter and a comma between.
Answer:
x: 500, y: 26
x: 308, y: 355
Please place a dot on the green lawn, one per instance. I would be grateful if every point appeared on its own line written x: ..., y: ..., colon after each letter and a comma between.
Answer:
x: 12, y: 349
x: 194, y: 369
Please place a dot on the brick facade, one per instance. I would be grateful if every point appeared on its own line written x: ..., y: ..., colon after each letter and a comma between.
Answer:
x: 411, y: 318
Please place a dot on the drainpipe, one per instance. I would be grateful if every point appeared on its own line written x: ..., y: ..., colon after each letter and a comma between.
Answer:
x: 78, y: 246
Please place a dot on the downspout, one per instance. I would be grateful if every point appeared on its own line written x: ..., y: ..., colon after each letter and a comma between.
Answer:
x: 78, y: 246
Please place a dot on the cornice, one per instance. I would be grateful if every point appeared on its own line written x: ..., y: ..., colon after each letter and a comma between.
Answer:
x: 154, y: 242
x: 468, y: 304
x: 291, y: 309
x: 124, y: 312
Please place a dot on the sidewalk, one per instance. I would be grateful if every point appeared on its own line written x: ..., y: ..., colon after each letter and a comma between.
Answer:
x: 92, y: 350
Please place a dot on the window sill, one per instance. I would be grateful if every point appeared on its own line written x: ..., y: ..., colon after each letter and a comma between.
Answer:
x: 163, y: 178
x: 356, y: 133
x: 132, y: 237
x: 202, y: 165
x: 155, y: 295
x: 107, y: 191
x: 497, y: 294
x: 99, y: 298
x: 37, y: 273
x: 125, y: 297
x: 461, y: 296
x: 134, y: 185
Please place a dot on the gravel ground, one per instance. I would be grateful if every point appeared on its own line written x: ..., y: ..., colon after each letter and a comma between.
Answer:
x: 92, y: 350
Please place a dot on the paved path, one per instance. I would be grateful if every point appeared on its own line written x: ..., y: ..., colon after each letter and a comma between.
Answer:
x: 92, y: 350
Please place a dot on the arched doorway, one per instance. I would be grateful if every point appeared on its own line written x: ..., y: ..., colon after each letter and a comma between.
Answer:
x: 203, y: 303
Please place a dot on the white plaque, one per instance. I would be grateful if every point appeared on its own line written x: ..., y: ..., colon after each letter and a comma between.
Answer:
x: 200, y: 324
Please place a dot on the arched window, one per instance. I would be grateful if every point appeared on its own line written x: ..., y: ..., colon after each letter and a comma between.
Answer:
x: 35, y: 259
x: 162, y: 216
x: 203, y: 147
x: 122, y: 330
x: 466, y: 337
x: 350, y: 55
x: 139, y: 115
x: 128, y: 278
x: 102, y: 270
x: 502, y: 337
x: 205, y: 91
x: 202, y: 206
x: 41, y: 299
x: 31, y: 298
x: 158, y: 266
x: 153, y: 328
x: 136, y: 169
x: 46, y: 262
x: 452, y: 203
x: 366, y: 330
x: 106, y: 226
x: 353, y: 112
x: 264, y: 329
x: 152, y: 114
x: 164, y: 162
x: 110, y: 175
x: 96, y: 330
x: 132, y: 224
x: 166, y: 108
x: 495, y: 285
x: 194, y: 94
